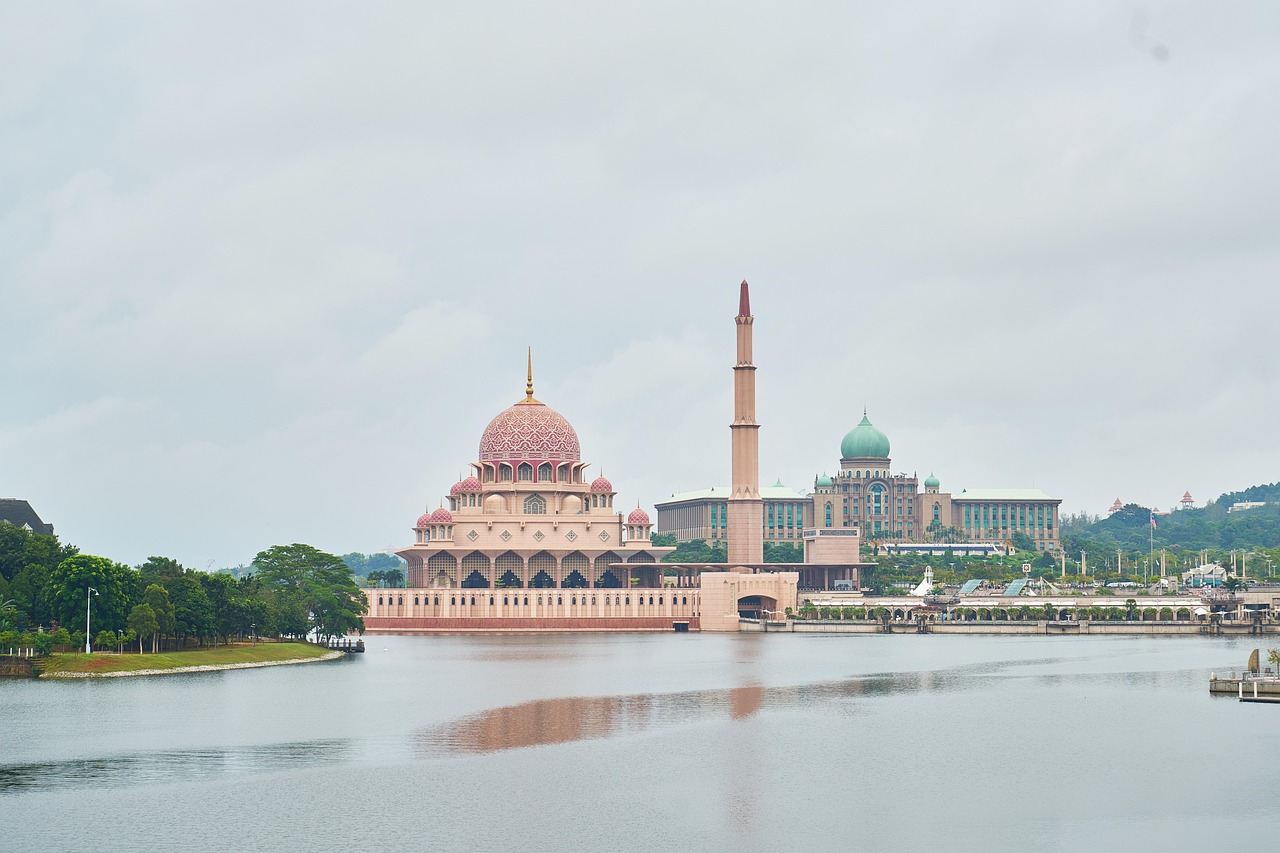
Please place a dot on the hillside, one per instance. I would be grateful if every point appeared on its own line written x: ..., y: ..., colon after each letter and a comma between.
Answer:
x: 1210, y: 527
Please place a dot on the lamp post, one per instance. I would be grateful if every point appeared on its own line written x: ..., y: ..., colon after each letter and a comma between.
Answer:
x: 87, y: 600
x: 254, y: 629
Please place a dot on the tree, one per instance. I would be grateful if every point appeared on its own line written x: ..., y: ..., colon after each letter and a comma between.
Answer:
x: 157, y: 597
x: 69, y: 583
x: 105, y: 639
x: 1022, y: 541
x: 142, y: 622
x: 310, y: 590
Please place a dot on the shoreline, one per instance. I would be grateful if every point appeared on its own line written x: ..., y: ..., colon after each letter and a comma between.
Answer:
x: 213, y: 667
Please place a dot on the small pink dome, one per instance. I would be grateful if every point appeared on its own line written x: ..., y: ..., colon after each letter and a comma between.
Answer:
x: 600, y: 484
x: 442, y: 516
x: 470, y: 484
x: 424, y: 521
x: 638, y: 516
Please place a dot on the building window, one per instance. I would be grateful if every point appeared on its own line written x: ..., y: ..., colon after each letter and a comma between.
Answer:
x: 937, y: 513
x: 544, y: 472
x: 535, y: 505
x: 525, y: 472
x: 829, y: 515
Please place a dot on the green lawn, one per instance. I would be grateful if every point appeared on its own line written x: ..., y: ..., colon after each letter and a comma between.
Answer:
x: 129, y: 662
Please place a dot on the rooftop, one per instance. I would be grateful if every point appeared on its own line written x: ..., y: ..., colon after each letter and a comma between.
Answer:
x: 768, y: 493
x: 1003, y: 495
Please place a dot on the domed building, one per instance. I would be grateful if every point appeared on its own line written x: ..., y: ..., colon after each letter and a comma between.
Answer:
x: 888, y: 507
x: 528, y: 541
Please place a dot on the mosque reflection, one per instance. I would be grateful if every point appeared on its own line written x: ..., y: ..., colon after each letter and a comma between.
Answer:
x: 577, y: 718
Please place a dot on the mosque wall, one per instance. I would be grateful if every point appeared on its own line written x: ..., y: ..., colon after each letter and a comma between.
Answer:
x: 635, y: 609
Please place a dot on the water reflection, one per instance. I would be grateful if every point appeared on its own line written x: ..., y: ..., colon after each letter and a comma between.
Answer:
x: 575, y: 718
x: 143, y: 768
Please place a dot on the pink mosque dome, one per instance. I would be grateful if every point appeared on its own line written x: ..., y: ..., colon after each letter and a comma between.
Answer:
x: 442, y: 516
x: 529, y: 431
x: 600, y: 484
x: 469, y: 484
x: 638, y: 516
x: 424, y: 521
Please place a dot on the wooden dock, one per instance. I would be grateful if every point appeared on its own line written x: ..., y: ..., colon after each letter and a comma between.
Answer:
x: 350, y: 645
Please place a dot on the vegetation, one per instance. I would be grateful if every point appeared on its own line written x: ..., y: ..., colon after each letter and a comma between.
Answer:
x: 1185, y: 536
x: 292, y: 590
x: 222, y: 655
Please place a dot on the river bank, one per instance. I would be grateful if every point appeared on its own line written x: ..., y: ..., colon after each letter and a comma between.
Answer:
x: 169, y: 663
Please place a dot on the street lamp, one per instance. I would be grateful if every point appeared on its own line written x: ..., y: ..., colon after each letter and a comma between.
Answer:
x: 87, y: 599
x: 254, y: 629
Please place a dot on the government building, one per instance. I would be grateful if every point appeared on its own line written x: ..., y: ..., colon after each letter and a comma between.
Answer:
x: 893, y: 508
x: 885, y: 507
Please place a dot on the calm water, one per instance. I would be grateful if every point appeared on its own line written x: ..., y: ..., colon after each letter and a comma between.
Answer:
x: 697, y: 742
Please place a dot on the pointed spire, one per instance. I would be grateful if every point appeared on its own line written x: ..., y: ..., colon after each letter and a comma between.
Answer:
x: 528, y: 385
x: 744, y: 301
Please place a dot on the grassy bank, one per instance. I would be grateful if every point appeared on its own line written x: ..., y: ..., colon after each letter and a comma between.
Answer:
x: 218, y: 656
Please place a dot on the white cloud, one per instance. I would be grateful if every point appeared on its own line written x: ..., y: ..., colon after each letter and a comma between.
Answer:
x: 267, y: 275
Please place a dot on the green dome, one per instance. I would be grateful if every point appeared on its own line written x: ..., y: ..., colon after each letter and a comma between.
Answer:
x: 824, y: 480
x: 865, y: 441
x: 931, y: 482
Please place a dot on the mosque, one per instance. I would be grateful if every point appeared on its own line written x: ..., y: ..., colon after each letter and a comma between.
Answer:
x: 528, y: 543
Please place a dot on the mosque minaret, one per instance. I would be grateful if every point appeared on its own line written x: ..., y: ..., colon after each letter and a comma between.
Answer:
x: 746, y: 511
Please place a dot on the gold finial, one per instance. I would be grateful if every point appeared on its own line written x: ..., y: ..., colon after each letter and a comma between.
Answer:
x: 528, y: 385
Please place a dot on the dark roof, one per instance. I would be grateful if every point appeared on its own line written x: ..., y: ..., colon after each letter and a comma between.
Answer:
x: 20, y: 513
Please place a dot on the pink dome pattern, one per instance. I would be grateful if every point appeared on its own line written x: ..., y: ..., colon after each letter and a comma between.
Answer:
x: 424, y: 521
x: 442, y: 516
x: 470, y: 484
x: 638, y: 516
x: 529, y: 432
x: 600, y: 484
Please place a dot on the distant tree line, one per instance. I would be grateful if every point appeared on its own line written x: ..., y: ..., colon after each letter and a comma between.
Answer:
x: 289, y: 590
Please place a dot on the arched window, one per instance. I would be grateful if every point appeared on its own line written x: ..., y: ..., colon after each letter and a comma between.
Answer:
x: 437, y: 601
x: 937, y: 513
x: 415, y: 599
x: 491, y: 601
x: 828, y: 515
x: 525, y: 472
x: 379, y: 599
x: 504, y: 473
x: 877, y: 497
x: 559, y: 599
x: 544, y: 472
x: 535, y: 505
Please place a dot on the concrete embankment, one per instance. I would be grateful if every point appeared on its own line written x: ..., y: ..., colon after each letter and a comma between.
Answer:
x: 1024, y: 628
x: 181, y: 669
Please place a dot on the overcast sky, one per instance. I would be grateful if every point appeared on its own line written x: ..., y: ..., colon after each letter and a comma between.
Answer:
x: 268, y: 269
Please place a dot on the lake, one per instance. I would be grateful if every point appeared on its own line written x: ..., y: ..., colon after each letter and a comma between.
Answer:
x: 655, y: 742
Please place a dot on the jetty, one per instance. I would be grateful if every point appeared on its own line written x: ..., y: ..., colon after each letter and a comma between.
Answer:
x: 350, y: 645
x: 1253, y: 684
